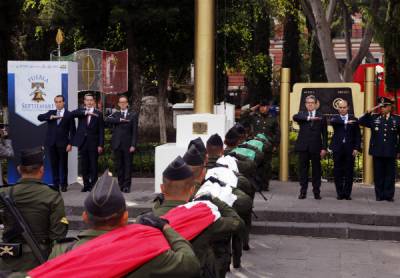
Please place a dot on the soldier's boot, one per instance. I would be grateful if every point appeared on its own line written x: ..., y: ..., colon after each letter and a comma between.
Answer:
x: 237, y: 245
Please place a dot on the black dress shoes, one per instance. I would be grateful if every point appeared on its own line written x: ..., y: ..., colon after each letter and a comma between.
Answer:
x: 64, y: 188
x: 302, y: 196
x: 378, y: 199
x: 317, y: 197
x: 348, y: 198
x: 339, y: 198
x: 86, y: 189
x: 125, y: 189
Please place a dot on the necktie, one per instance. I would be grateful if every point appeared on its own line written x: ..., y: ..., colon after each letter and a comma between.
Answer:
x: 88, y: 117
x: 58, y: 114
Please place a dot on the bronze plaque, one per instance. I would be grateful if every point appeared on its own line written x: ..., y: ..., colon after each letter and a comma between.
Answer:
x: 200, y: 128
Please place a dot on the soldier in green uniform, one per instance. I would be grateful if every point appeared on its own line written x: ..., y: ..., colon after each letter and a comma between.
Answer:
x: 178, y: 188
x: 41, y: 207
x: 245, y: 204
x: 242, y: 205
x: 105, y: 210
x: 246, y: 166
x: 261, y: 121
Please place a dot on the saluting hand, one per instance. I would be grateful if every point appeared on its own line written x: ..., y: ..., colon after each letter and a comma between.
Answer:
x: 355, y: 152
x: 322, y: 153
x: 315, y: 118
x: 55, y: 117
x: 100, y: 150
x: 132, y: 149
x: 69, y: 148
x: 373, y: 108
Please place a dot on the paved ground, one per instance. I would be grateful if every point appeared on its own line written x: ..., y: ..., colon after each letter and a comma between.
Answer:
x: 301, y: 257
x: 282, y: 196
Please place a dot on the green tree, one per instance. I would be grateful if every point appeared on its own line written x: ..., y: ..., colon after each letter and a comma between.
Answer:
x: 291, y: 42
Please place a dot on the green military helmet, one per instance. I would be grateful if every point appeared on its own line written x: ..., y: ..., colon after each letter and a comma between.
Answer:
x: 250, y: 154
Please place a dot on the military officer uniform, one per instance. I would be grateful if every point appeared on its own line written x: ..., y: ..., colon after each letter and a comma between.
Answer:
x: 384, y: 147
x: 105, y: 200
x: 43, y: 210
x: 267, y: 124
x: 230, y: 222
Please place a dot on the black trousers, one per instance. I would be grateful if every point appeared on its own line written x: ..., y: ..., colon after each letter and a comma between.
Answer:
x: 384, y: 177
x: 304, y: 165
x: 59, y: 165
x: 343, y: 169
x: 123, y: 159
x: 88, y: 157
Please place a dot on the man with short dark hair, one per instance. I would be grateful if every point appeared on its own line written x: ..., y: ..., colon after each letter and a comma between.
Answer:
x: 89, y: 139
x: 262, y: 121
x: 311, y: 145
x: 60, y: 131
x: 384, y: 146
x: 178, y: 188
x: 41, y: 207
x: 123, y: 141
x: 105, y: 210
x: 346, y: 143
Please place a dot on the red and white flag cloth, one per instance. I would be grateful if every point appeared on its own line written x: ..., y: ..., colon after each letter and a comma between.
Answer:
x: 229, y: 161
x: 224, y: 193
x: 224, y: 174
x: 125, y: 249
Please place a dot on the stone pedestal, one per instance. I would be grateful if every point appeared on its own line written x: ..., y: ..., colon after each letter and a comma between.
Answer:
x: 189, y: 127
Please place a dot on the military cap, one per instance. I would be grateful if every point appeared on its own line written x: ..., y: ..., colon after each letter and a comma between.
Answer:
x: 232, y: 134
x: 33, y: 156
x: 240, y: 128
x: 265, y: 102
x: 215, y: 140
x: 384, y: 101
x: 106, y: 198
x: 193, y: 157
x: 199, y: 146
x: 177, y: 170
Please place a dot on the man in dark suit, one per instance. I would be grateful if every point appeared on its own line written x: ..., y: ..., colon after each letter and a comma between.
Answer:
x: 60, y: 131
x: 345, y: 145
x: 311, y: 145
x: 89, y: 139
x: 384, y: 146
x: 123, y: 142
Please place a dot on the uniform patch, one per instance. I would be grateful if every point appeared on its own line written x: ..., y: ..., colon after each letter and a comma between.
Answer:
x: 64, y: 220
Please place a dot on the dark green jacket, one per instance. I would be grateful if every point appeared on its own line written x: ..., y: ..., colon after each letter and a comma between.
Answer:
x: 179, y: 261
x: 264, y: 123
x: 230, y: 222
x: 43, y: 210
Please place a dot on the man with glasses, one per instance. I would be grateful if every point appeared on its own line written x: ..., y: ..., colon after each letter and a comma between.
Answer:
x: 383, y: 146
x: 311, y: 145
x: 345, y: 145
x: 124, y: 125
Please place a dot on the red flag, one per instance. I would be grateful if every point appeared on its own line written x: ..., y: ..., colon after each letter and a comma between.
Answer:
x: 123, y: 250
x: 115, y: 72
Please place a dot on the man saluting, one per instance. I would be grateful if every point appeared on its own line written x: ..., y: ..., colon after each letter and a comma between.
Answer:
x: 383, y: 146
x: 60, y: 131
x: 123, y: 142
x: 89, y: 139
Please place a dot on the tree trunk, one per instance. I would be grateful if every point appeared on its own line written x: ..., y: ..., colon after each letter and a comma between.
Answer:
x: 134, y: 72
x: 162, y: 96
x: 323, y: 32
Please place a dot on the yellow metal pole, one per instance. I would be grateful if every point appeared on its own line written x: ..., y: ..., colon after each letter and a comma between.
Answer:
x: 284, y: 124
x: 204, y: 63
x: 368, y: 176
